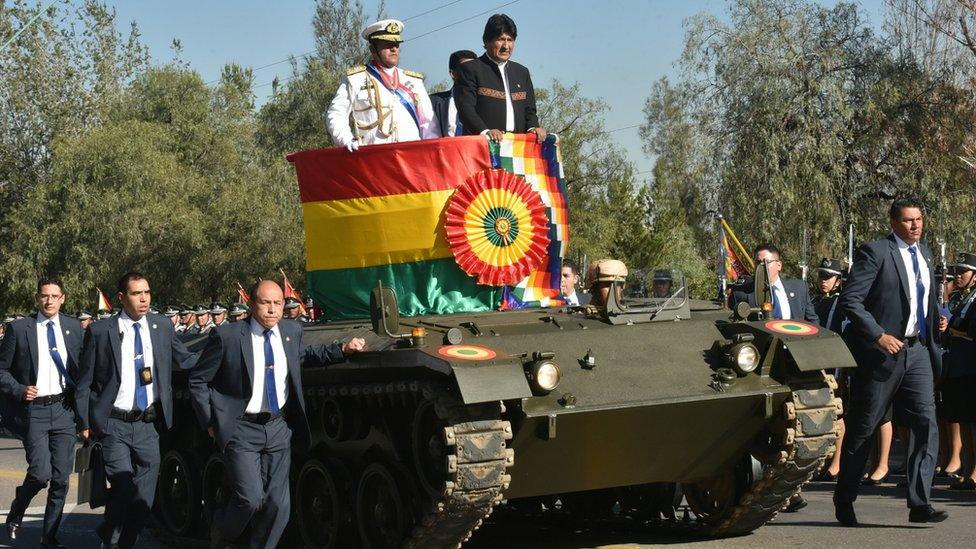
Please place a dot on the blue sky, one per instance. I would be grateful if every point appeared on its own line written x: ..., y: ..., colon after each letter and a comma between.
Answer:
x: 615, y: 49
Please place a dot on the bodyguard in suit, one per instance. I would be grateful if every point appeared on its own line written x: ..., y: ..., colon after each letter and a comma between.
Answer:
x: 125, y: 398
x: 247, y: 393
x: 568, y: 282
x: 791, y: 298
x: 494, y: 94
x: 890, y: 300
x: 37, y: 355
x: 445, y: 110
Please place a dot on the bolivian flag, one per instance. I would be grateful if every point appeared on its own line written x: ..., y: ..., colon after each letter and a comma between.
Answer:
x: 378, y: 214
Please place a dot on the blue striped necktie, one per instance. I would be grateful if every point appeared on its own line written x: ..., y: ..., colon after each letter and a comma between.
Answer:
x: 142, y: 397
x: 52, y: 343
x: 923, y: 329
x: 269, y: 378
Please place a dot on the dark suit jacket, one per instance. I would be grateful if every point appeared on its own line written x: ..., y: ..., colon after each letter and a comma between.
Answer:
x: 479, y: 94
x: 801, y: 308
x: 584, y: 299
x: 99, y: 374
x: 875, y: 299
x: 19, y: 353
x: 441, y: 101
x: 221, y: 383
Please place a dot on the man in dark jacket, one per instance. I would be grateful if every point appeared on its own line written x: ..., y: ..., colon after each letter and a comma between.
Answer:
x: 890, y: 299
x: 494, y: 95
x: 36, y: 355
x: 247, y: 393
x: 791, y: 298
x: 445, y: 109
x: 125, y: 399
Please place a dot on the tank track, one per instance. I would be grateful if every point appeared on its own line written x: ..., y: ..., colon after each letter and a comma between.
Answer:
x: 475, y: 469
x: 797, y: 448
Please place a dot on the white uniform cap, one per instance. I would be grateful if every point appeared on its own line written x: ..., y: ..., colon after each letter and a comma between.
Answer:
x: 387, y: 29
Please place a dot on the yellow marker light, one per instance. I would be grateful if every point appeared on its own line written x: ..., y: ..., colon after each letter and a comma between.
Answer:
x: 418, y: 332
x: 767, y: 307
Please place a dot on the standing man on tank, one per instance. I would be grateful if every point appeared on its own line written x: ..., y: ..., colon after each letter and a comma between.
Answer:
x: 494, y: 94
x: 36, y: 355
x: 890, y: 299
x: 791, y: 298
x: 380, y: 102
x: 445, y: 108
x: 247, y: 393
x: 125, y: 399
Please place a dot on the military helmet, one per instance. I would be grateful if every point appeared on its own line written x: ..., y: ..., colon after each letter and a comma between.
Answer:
x: 201, y: 309
x: 217, y: 308
x: 103, y: 314
x: 84, y: 315
x: 965, y: 262
x: 605, y: 270
x: 185, y: 309
x: 7, y: 319
x: 171, y: 311
x: 237, y: 309
x: 291, y: 303
x: 831, y: 267
x: 663, y: 275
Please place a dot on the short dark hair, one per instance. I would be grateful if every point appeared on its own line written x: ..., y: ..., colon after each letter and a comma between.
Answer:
x: 128, y: 277
x: 572, y: 265
x: 498, y: 25
x: 461, y: 55
x: 900, y: 204
x: 48, y: 280
x: 767, y: 246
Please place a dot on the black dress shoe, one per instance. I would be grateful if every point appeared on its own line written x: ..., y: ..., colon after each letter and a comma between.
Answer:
x: 926, y: 513
x: 873, y: 481
x: 845, y: 514
x: 796, y: 503
x: 13, y: 529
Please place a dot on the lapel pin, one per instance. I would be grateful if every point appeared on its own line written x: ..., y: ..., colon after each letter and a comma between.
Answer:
x: 154, y: 326
x: 287, y: 338
x: 792, y: 294
x: 67, y: 332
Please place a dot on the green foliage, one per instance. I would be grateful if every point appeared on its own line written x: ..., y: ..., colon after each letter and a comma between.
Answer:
x: 792, y: 116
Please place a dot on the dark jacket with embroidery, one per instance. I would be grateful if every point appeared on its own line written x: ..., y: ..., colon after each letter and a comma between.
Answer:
x: 479, y: 94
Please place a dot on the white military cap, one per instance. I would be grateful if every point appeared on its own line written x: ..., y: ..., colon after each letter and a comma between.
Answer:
x: 387, y: 29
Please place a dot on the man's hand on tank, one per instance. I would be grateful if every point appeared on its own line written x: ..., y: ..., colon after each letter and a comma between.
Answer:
x: 540, y: 134
x: 353, y: 146
x: 943, y: 323
x: 891, y: 344
x: 495, y: 135
x: 354, y: 345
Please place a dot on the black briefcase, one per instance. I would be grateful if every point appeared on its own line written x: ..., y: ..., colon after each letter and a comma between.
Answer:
x: 91, y: 475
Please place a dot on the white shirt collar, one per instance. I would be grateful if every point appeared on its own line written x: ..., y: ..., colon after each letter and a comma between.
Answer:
x: 258, y: 330
x: 902, y: 245
x: 128, y: 322
x: 41, y: 319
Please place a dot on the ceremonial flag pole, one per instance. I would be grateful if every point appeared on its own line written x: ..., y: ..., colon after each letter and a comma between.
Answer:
x: 743, y: 254
x: 242, y: 294
x: 290, y: 291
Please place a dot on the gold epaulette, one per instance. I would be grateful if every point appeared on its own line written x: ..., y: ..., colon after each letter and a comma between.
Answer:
x: 414, y: 74
x: 355, y: 70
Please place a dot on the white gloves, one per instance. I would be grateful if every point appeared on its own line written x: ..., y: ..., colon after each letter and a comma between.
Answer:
x: 352, y: 146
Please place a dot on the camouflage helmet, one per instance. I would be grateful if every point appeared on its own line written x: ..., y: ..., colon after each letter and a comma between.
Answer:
x: 605, y: 270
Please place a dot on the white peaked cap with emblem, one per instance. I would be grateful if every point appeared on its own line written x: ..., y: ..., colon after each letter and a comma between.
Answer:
x: 387, y: 29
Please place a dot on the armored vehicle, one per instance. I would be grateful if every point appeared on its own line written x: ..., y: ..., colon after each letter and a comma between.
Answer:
x: 623, y: 406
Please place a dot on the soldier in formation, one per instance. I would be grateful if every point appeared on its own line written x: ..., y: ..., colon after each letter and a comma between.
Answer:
x: 960, y: 364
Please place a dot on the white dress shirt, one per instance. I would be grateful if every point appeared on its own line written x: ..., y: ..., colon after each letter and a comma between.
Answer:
x: 452, y: 118
x: 49, y: 380
x: 783, y: 299
x: 911, y: 329
x: 509, y: 109
x: 126, y: 399
x: 572, y: 299
x: 259, y: 400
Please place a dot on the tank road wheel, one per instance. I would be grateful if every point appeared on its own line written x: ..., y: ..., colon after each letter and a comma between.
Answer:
x: 383, y: 518
x: 215, y: 493
x: 714, y: 499
x: 179, y: 494
x: 333, y: 420
x: 429, y: 449
x: 317, y: 505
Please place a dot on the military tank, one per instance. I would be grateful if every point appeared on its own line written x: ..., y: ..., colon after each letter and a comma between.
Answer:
x: 629, y: 405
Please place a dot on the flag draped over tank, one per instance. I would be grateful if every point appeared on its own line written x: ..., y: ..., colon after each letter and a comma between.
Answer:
x: 377, y: 216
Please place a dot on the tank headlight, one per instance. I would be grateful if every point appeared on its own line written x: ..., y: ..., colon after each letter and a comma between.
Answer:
x: 744, y: 358
x: 544, y: 376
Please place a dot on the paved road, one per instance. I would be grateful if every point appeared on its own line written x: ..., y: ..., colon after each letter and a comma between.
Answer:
x: 881, y: 511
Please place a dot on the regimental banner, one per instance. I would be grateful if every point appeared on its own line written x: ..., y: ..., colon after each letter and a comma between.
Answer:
x: 377, y: 215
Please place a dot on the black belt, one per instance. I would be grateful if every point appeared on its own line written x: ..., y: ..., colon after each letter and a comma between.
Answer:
x: 261, y: 417
x: 48, y: 400
x: 131, y: 416
x: 909, y: 341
